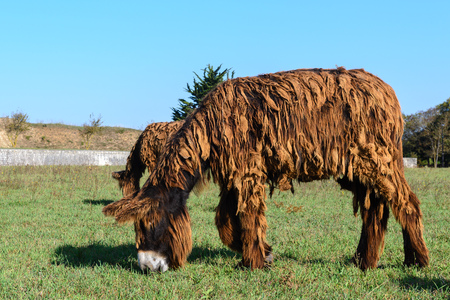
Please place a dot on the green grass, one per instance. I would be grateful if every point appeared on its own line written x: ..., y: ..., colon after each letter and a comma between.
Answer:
x: 56, y: 244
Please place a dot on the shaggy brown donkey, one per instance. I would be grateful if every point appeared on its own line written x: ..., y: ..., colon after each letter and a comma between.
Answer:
x: 144, y: 155
x: 303, y: 124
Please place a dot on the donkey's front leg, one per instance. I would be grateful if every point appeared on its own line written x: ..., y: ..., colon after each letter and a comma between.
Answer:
x: 256, y: 253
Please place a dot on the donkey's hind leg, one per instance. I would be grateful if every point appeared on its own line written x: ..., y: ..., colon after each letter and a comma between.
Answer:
x: 374, y: 213
x: 410, y: 217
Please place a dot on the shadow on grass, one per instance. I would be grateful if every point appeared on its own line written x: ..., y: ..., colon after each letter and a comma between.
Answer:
x: 206, y: 255
x: 123, y: 255
x: 435, y: 285
x: 345, y: 260
x: 97, y: 202
x: 96, y: 254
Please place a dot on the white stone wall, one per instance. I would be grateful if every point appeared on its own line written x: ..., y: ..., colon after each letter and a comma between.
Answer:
x: 21, y: 157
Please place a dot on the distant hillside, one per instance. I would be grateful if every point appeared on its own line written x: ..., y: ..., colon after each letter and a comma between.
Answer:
x: 60, y: 136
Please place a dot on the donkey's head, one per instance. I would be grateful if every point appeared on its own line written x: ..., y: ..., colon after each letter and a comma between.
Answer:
x: 162, y: 226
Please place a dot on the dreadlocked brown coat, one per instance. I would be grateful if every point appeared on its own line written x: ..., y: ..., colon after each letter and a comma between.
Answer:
x: 274, y: 128
x: 144, y: 155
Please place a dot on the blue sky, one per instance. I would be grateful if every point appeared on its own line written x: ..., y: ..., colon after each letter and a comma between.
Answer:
x: 129, y: 61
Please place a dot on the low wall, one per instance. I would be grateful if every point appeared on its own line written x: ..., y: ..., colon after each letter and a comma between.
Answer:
x: 21, y: 157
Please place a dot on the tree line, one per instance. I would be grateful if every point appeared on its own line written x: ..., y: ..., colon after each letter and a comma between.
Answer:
x: 427, y: 136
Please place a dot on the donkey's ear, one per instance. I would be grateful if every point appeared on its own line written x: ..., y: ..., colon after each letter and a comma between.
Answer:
x: 129, y: 209
x: 118, y: 175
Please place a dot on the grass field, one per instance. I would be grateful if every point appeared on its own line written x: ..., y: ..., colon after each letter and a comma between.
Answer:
x: 56, y: 244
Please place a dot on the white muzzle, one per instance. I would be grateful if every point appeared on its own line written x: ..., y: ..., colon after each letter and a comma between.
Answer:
x: 153, y: 261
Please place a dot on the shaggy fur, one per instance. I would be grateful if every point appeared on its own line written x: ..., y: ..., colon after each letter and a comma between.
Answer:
x: 274, y: 128
x: 144, y: 155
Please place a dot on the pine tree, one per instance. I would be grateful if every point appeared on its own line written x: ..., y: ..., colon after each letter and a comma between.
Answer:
x: 202, y: 86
